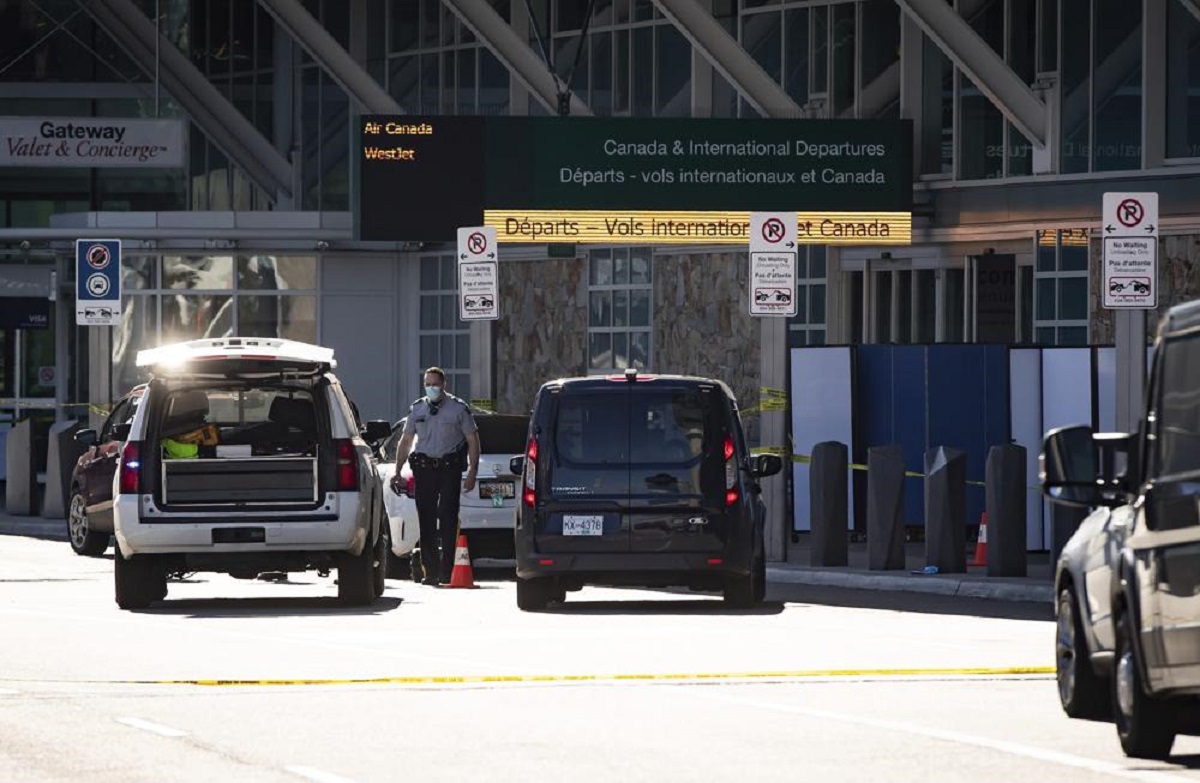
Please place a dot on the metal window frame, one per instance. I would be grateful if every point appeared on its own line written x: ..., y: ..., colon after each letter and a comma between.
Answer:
x: 392, y: 53
x: 437, y: 293
x: 1058, y: 275
x: 804, y: 286
x: 648, y: 329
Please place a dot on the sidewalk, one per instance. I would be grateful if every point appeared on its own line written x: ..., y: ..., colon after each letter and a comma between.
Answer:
x: 1036, y: 586
x: 33, y: 527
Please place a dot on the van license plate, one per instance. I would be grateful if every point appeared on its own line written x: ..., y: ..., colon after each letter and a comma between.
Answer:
x: 583, y: 526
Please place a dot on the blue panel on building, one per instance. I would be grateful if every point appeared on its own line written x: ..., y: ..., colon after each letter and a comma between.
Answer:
x: 908, y: 417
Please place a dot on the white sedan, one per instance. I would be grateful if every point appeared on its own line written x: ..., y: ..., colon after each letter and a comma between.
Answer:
x: 487, y: 514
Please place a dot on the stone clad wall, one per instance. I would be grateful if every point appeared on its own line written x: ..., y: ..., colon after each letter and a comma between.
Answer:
x: 1178, y: 281
x: 701, y: 320
x: 702, y: 323
x: 542, y: 331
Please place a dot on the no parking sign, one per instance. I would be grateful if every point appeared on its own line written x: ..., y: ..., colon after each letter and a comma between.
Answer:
x: 97, y: 282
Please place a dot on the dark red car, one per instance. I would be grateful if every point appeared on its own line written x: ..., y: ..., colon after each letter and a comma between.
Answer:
x: 90, y: 503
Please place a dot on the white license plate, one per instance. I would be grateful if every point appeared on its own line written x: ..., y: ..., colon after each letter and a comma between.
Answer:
x: 583, y: 526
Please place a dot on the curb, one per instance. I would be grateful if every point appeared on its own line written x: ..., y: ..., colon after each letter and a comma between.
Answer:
x: 34, y: 527
x: 933, y: 585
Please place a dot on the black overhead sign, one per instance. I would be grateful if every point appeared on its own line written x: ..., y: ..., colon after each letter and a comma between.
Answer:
x: 420, y: 178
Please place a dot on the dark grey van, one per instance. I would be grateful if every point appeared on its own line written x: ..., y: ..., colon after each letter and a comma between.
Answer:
x: 639, y: 480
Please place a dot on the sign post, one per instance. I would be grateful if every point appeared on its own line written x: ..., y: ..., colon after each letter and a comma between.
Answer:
x: 97, y: 282
x: 1130, y: 286
x: 478, y: 274
x: 773, y: 263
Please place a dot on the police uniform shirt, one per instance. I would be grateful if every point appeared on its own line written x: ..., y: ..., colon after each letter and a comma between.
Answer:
x: 441, y: 433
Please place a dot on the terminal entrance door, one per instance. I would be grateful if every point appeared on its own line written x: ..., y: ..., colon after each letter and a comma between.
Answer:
x: 984, y: 299
x: 27, y: 379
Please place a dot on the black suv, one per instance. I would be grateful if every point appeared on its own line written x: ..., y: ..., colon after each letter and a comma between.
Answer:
x: 639, y: 480
x: 1146, y: 489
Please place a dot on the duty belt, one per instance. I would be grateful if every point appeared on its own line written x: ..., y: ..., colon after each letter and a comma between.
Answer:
x: 426, y: 461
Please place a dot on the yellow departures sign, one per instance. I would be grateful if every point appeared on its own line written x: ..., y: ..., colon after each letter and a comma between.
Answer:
x: 608, y: 227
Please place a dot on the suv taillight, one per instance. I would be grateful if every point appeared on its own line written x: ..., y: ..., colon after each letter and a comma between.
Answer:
x: 531, y: 454
x: 131, y: 468
x: 731, y: 490
x: 347, y: 465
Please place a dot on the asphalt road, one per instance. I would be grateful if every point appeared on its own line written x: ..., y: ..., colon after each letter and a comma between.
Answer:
x: 454, y: 685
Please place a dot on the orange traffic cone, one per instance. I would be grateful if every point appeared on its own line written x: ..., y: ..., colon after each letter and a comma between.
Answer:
x: 981, y: 543
x: 462, y: 575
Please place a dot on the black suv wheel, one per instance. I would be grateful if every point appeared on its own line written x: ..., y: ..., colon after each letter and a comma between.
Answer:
x: 1080, y: 691
x: 356, y: 578
x: 534, y: 595
x: 1145, y: 725
x: 747, y: 591
x: 138, y: 581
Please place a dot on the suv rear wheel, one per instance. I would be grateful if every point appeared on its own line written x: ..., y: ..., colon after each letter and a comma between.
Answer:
x: 138, y: 581
x: 1145, y: 724
x: 534, y: 595
x: 356, y: 578
x: 745, y: 591
x: 84, y: 540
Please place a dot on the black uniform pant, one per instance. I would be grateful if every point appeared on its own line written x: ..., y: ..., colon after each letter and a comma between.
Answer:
x: 438, y: 492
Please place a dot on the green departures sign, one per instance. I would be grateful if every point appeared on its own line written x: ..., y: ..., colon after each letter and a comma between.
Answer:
x: 699, y: 164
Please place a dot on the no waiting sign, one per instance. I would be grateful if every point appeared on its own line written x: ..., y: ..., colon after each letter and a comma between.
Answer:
x: 478, y: 274
x: 1130, y: 231
x: 773, y: 263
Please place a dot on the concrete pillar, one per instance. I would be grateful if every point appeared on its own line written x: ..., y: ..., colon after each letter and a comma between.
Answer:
x: 21, y: 481
x: 773, y: 432
x: 483, y: 381
x: 60, y: 461
x: 99, y: 342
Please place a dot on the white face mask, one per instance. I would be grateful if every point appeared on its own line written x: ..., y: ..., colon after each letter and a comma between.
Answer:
x: 434, y: 393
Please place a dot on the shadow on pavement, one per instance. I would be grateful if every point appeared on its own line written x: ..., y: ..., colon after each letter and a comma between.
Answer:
x: 48, y: 579
x: 715, y: 607
x: 922, y: 603
x: 1190, y: 761
x: 257, y: 608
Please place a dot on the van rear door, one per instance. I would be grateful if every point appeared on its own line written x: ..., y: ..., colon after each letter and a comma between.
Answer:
x: 586, y: 471
x: 679, y: 434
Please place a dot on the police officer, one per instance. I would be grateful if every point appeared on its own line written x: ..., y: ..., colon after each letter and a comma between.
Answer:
x: 447, y: 444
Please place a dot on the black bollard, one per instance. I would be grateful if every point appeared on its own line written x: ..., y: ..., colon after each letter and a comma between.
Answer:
x: 885, y: 508
x: 1006, y: 511
x: 946, y: 510
x: 829, y: 504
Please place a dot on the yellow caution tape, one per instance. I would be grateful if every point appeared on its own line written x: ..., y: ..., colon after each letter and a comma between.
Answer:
x: 769, y: 400
x: 501, y: 679
x: 98, y: 409
x: 806, y: 459
x: 484, y: 405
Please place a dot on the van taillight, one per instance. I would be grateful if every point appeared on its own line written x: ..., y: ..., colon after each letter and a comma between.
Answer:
x: 131, y: 468
x: 347, y: 465
x: 531, y: 454
x: 731, y: 491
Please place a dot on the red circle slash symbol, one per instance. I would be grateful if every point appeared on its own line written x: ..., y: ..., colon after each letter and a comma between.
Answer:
x: 477, y: 243
x: 773, y: 230
x: 98, y: 256
x: 1130, y: 212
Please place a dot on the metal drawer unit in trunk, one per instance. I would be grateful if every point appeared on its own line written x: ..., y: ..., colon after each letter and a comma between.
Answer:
x: 260, y: 481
